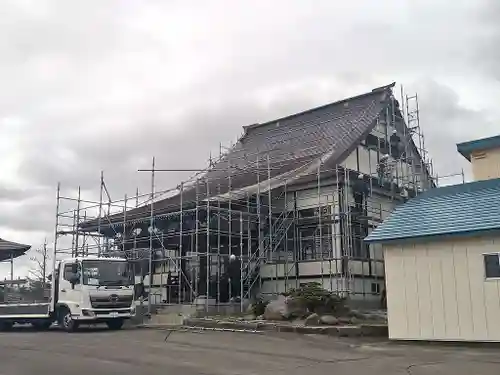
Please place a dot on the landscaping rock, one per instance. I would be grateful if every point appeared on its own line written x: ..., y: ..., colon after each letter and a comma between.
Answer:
x: 369, y: 315
x: 275, y: 310
x: 344, y: 320
x: 312, y: 320
x: 329, y: 320
x: 283, y: 308
x: 369, y: 330
x: 379, y: 316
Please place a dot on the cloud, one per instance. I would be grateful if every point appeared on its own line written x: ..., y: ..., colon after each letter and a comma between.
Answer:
x: 90, y: 86
x: 445, y: 122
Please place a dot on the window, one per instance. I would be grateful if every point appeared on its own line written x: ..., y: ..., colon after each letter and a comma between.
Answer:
x: 375, y: 288
x: 359, y: 230
x: 108, y: 273
x: 312, y: 245
x: 68, y: 271
x: 308, y: 212
x: 492, y: 265
x: 376, y: 143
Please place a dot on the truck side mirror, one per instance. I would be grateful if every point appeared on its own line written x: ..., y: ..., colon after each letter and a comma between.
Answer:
x: 74, y: 279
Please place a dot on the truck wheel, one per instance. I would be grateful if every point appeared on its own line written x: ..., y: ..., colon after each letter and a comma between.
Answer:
x: 66, y: 321
x: 115, y: 324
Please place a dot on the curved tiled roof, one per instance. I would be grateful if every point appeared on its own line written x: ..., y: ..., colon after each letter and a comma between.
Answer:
x: 294, y: 145
x: 452, y: 210
x: 14, y: 249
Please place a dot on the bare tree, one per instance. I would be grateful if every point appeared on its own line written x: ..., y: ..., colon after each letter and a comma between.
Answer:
x: 39, y: 273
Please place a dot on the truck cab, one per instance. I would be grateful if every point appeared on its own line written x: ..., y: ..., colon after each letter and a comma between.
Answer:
x: 90, y: 290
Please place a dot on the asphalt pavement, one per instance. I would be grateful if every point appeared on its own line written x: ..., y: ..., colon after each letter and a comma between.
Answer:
x: 137, y: 351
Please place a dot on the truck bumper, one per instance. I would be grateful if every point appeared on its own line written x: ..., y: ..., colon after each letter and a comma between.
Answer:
x: 103, y: 315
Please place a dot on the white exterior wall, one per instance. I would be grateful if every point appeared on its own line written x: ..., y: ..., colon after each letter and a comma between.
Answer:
x: 309, y: 198
x: 438, y: 291
x: 367, y: 160
x: 486, y: 164
x: 354, y: 288
x: 280, y: 277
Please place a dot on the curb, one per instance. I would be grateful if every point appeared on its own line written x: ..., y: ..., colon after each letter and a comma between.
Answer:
x: 363, y: 330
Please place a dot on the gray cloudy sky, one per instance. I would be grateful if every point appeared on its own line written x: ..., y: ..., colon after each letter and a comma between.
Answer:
x: 96, y: 84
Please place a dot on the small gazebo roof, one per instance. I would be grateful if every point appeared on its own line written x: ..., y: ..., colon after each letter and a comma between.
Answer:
x: 10, y: 249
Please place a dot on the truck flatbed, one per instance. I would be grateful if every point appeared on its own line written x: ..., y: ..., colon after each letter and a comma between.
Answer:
x: 24, y: 310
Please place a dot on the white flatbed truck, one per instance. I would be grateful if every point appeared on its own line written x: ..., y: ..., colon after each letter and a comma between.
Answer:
x: 85, y: 290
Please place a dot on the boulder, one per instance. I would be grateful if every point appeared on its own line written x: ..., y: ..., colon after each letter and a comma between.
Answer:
x: 329, y: 320
x: 295, y: 309
x: 312, y: 320
x: 283, y: 308
x: 344, y: 320
x: 378, y: 316
x: 360, y: 315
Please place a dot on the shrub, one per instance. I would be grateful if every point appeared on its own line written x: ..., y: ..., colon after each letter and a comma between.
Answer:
x: 317, y: 299
x: 259, y: 307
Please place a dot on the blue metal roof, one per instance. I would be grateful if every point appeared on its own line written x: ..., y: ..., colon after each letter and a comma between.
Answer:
x: 467, y: 148
x: 452, y: 210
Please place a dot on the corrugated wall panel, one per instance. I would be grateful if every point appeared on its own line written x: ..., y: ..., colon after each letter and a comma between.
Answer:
x: 396, y: 293
x: 412, y: 292
x: 438, y: 291
x: 436, y: 294
x: 448, y: 283
x: 464, y: 292
x: 426, y: 320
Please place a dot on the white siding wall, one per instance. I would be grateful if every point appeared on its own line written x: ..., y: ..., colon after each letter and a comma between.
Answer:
x: 367, y: 160
x: 358, y: 288
x: 309, y: 198
x: 437, y: 291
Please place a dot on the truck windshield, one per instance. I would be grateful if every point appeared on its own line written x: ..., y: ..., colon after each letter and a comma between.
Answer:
x: 105, y: 272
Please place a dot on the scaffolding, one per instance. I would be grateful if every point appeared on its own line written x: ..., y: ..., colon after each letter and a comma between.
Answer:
x: 213, y: 245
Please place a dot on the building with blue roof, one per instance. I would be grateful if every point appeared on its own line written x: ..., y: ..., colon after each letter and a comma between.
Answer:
x: 441, y: 253
x: 484, y: 155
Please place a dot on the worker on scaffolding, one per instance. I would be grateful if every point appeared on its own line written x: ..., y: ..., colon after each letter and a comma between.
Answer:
x: 359, y: 192
x: 383, y: 169
x: 395, y: 145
